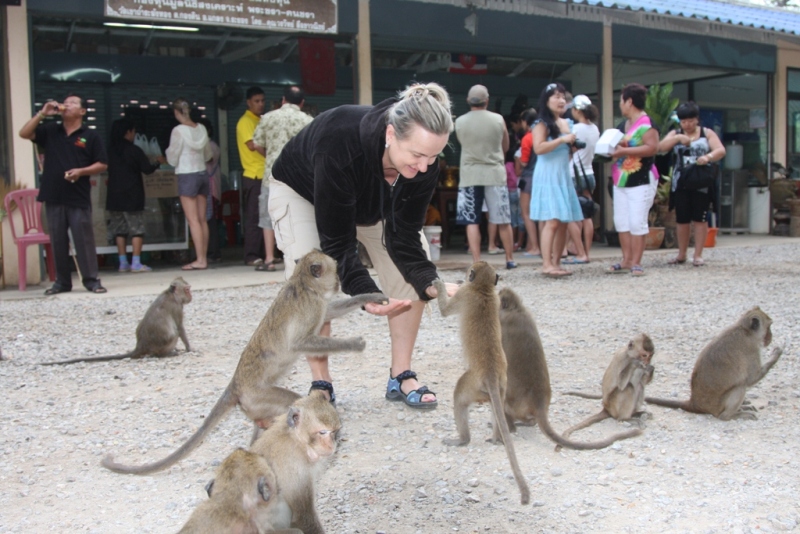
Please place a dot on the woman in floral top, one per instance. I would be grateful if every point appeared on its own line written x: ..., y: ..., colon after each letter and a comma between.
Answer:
x: 635, y: 179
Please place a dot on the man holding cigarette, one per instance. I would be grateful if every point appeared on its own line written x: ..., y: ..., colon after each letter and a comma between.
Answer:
x: 73, y: 153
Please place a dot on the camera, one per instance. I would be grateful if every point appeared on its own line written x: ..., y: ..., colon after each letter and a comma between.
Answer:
x: 578, y: 144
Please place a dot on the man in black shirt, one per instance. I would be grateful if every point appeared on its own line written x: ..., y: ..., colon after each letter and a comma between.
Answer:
x: 73, y: 153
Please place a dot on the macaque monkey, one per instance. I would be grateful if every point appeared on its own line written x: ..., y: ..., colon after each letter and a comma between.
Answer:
x: 290, y: 328
x: 726, y: 367
x: 294, y: 446
x: 485, y: 378
x: 244, y: 490
x: 159, y: 329
x: 528, y: 392
x: 623, y: 384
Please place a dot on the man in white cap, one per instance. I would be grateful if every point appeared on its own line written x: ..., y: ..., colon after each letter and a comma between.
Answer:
x: 484, y: 142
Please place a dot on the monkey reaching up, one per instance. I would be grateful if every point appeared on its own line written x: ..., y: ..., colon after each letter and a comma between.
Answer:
x: 242, y: 495
x: 485, y: 378
x: 294, y: 446
x: 528, y: 392
x: 159, y: 329
x: 623, y: 384
x: 726, y: 367
x: 290, y: 328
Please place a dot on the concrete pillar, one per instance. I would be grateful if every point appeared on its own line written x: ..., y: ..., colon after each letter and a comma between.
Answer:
x: 364, y: 53
x: 16, y: 62
x: 607, y: 104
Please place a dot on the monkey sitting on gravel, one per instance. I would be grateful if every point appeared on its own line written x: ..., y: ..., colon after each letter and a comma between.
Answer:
x: 296, y: 447
x: 243, y: 499
x: 726, y: 367
x: 159, y: 329
x: 289, y: 329
x: 624, y: 381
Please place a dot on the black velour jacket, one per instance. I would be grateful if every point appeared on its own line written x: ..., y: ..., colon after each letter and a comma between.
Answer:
x: 336, y: 164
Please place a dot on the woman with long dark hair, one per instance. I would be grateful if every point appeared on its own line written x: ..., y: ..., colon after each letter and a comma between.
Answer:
x: 553, y: 198
x: 125, y: 197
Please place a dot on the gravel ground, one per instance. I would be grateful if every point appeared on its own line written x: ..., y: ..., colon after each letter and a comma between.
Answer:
x: 686, y: 473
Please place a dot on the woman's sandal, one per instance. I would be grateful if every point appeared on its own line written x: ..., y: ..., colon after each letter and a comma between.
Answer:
x: 637, y: 270
x: 617, y: 269
x: 324, y: 385
x: 412, y: 398
x: 676, y: 261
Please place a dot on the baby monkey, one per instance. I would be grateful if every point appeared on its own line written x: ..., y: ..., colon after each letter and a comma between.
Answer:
x: 243, y: 499
x: 623, y: 384
x: 159, y: 329
x: 485, y: 379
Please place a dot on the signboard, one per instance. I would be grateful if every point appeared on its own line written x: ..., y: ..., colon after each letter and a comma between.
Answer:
x: 311, y: 16
x: 9, y: 2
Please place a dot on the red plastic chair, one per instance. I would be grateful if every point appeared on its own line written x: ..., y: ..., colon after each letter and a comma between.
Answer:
x: 32, y: 234
x: 230, y: 214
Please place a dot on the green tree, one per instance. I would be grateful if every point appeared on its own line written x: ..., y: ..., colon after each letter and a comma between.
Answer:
x: 659, y: 106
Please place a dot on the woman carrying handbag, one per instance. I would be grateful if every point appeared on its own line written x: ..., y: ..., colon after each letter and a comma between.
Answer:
x: 694, y: 177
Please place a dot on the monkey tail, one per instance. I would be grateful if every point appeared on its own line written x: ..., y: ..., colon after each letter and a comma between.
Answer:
x: 584, y: 395
x: 557, y: 438
x: 227, y: 401
x: 131, y: 354
x: 502, y: 424
x: 668, y: 403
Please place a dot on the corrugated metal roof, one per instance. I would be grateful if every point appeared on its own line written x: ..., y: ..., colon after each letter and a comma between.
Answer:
x: 750, y: 16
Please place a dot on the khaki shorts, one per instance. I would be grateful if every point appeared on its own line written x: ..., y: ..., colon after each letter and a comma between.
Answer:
x: 296, y: 234
x: 264, y: 221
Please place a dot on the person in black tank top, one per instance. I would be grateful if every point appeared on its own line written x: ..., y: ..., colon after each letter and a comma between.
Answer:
x: 692, y: 144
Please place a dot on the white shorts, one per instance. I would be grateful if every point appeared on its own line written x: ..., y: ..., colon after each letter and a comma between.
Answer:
x: 631, y: 207
x: 295, y: 225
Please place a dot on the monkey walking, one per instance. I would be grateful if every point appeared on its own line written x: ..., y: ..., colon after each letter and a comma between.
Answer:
x: 726, y: 367
x: 244, y: 492
x: 290, y: 328
x: 294, y: 447
x: 159, y: 329
x: 485, y: 378
x: 528, y: 392
x: 623, y: 385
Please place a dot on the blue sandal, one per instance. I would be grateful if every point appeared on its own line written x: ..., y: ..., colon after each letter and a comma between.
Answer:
x: 413, y: 398
x: 324, y: 385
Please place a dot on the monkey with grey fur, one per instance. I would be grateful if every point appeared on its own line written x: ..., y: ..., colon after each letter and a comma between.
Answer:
x: 159, y: 329
x: 623, y: 385
x: 243, y: 494
x: 297, y: 447
x: 726, y: 367
x: 528, y: 392
x: 289, y: 329
x: 486, y: 376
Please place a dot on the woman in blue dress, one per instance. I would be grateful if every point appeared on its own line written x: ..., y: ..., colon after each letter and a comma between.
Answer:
x: 553, y: 198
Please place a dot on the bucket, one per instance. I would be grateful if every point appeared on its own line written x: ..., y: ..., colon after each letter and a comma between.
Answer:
x: 434, y: 236
x: 711, y: 238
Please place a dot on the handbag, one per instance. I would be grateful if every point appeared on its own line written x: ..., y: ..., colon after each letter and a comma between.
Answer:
x: 588, y: 205
x: 694, y: 177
